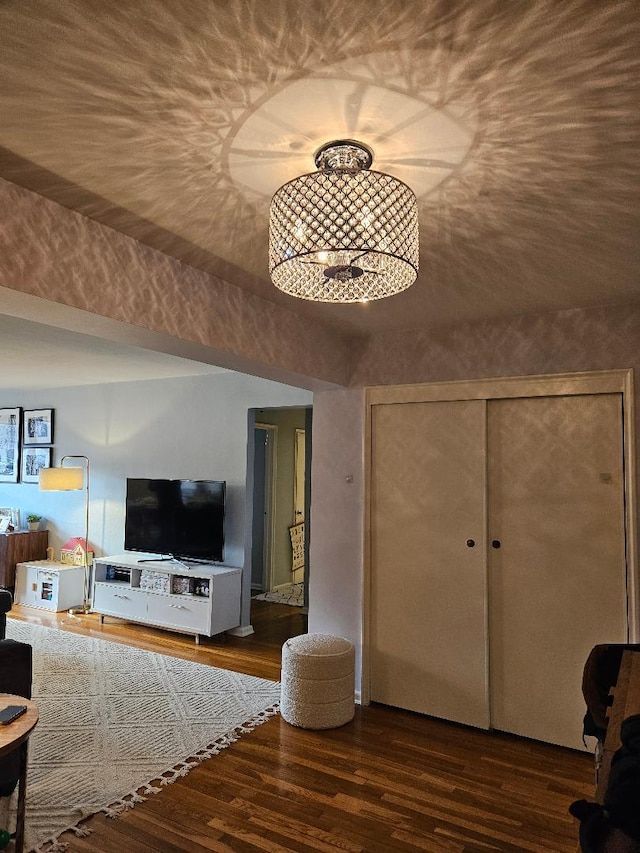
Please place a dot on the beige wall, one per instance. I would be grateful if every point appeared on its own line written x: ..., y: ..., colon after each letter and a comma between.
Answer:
x: 337, y: 505
x: 53, y: 253
x: 566, y: 341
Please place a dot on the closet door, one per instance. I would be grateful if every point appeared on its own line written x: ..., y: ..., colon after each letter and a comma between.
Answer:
x: 428, y: 633
x: 557, y: 583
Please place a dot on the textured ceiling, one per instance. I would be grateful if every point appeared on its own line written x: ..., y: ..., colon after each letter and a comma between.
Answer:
x: 37, y: 356
x: 516, y: 123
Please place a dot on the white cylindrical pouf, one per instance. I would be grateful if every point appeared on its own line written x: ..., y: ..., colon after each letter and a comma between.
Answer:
x: 318, y: 681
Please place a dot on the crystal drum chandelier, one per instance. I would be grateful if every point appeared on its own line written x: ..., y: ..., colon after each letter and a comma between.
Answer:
x: 344, y: 233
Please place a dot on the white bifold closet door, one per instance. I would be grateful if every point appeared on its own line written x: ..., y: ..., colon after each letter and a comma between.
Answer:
x: 497, y: 557
x: 557, y: 584
x: 428, y: 603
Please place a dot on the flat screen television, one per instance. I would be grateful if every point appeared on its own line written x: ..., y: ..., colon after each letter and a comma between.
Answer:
x: 175, y: 518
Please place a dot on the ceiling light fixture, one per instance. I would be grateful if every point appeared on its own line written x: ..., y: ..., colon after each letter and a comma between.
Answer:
x: 344, y: 233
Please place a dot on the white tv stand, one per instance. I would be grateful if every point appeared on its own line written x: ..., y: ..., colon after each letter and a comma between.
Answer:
x: 202, y: 599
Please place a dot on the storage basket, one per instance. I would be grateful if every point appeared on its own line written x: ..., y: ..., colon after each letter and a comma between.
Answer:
x: 156, y: 581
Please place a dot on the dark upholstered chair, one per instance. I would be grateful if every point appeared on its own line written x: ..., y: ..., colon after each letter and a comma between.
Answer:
x: 6, y: 602
x: 15, y: 677
x: 599, y: 676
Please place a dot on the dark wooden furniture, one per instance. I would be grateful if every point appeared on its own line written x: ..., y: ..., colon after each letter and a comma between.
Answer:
x: 19, y: 548
x: 626, y: 703
x: 13, y: 736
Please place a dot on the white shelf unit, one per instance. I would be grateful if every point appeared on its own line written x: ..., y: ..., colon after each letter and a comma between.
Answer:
x: 139, y: 588
x: 49, y: 585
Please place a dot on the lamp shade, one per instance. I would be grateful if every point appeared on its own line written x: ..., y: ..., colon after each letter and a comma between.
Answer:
x: 61, y: 479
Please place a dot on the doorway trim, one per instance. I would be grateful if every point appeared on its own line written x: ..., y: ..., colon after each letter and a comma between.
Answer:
x: 299, y: 494
x: 547, y: 385
x: 270, y: 502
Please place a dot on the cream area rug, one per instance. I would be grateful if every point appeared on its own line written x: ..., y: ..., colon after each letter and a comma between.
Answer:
x: 292, y: 594
x: 118, y: 723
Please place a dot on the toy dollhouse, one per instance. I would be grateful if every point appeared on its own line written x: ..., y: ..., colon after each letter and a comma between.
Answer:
x: 73, y: 552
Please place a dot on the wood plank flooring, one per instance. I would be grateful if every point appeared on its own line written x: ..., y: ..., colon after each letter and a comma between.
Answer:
x: 390, y: 781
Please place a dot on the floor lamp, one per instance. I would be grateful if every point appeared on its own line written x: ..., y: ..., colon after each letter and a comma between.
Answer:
x: 72, y: 478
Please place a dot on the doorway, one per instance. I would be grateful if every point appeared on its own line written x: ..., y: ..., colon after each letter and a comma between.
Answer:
x: 278, y: 496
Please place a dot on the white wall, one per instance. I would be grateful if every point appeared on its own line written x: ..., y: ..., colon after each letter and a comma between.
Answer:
x: 193, y: 427
x: 337, y: 517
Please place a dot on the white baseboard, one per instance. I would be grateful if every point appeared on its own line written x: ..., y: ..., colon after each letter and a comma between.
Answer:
x: 241, y: 631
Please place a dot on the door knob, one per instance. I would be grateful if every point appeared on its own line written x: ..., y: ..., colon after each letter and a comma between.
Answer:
x: 471, y: 543
x: 496, y: 543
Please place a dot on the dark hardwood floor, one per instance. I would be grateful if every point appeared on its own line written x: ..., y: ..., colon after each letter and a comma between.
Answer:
x: 389, y: 781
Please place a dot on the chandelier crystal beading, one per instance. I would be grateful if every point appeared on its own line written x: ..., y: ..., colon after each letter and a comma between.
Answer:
x: 344, y: 233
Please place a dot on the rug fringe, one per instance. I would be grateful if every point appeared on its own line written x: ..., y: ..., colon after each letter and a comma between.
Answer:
x: 53, y: 845
x: 139, y: 795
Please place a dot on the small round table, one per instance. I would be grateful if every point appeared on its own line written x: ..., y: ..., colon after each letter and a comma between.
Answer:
x: 13, y: 736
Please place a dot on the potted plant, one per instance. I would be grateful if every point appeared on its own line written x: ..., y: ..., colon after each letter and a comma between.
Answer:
x: 34, y: 521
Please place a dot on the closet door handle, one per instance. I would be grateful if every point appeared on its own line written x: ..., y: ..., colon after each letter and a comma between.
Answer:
x: 496, y: 543
x: 471, y: 543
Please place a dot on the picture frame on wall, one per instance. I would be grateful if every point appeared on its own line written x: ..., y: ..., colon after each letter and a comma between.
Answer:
x: 10, y: 420
x: 37, y: 426
x: 33, y: 459
x: 6, y: 519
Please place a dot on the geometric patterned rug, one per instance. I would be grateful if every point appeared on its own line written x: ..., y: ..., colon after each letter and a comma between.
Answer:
x: 118, y: 723
x: 292, y: 594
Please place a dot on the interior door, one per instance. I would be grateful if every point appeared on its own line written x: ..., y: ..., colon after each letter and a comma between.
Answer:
x: 557, y: 583
x: 428, y: 629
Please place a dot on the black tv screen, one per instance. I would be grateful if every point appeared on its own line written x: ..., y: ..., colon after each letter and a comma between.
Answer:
x: 176, y: 518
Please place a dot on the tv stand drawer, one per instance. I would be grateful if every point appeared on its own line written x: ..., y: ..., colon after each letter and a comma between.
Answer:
x: 120, y: 600
x: 188, y: 614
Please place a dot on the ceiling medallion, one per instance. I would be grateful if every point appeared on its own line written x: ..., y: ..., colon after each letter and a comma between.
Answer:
x: 344, y: 233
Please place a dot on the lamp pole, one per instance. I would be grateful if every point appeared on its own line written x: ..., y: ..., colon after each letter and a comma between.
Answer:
x: 86, y: 603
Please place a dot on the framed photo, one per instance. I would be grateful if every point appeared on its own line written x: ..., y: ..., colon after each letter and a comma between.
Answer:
x: 33, y: 459
x: 10, y: 445
x: 37, y: 426
x: 297, y: 544
x: 9, y: 518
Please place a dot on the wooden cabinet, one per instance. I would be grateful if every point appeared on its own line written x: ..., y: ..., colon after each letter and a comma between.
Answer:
x: 19, y: 548
x: 49, y: 585
x: 199, y: 599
